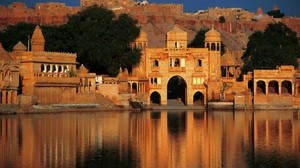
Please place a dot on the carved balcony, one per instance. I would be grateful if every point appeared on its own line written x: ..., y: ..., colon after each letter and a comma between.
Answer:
x: 176, y: 69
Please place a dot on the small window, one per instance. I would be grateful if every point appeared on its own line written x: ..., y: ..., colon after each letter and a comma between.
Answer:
x: 155, y: 63
x: 199, y: 63
x: 213, y: 47
x: 43, y: 69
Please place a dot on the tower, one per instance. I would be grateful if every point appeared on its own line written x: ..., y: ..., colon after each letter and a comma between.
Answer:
x: 213, y: 44
x: 140, y: 43
x: 37, y: 40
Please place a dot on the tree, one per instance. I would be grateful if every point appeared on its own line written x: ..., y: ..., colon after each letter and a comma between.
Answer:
x: 199, y: 40
x: 101, y: 41
x: 13, y: 34
x: 275, y: 14
x: 277, y: 45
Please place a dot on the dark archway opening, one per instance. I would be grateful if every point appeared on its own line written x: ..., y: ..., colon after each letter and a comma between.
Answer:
x: 261, y: 87
x: 286, y: 87
x: 273, y: 87
x: 198, y: 99
x: 155, y: 98
x: 134, y: 88
x: 176, y: 91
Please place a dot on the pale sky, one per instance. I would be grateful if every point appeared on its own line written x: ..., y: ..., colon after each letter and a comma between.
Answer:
x: 288, y: 7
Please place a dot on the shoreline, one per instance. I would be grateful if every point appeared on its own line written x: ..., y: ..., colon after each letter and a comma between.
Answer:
x: 46, y: 109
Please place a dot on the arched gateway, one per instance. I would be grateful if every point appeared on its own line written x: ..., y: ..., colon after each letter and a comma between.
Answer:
x: 176, y: 90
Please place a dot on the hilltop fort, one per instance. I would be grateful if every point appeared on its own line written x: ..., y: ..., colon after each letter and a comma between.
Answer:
x: 156, y: 19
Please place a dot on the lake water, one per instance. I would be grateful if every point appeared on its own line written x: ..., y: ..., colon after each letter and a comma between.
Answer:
x: 151, y: 139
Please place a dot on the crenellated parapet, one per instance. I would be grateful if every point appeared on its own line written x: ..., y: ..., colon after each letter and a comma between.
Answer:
x: 43, y: 14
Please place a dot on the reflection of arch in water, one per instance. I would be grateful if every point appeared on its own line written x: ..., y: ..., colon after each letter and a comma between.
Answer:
x: 273, y: 87
x: 260, y: 87
x: 155, y: 98
x: 177, y: 89
x: 155, y: 115
x: 286, y: 87
x: 176, y: 122
x: 198, y: 98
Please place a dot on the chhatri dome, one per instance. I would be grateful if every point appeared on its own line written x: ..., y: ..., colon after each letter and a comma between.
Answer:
x: 143, y: 36
x: 176, y: 34
x: 176, y: 38
x: 212, y: 36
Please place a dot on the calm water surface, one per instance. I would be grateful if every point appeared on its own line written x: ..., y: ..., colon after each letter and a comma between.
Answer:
x: 151, y: 139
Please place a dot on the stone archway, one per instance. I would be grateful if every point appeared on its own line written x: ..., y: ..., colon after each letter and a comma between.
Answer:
x: 286, y: 87
x: 155, y: 98
x: 134, y: 88
x: 261, y: 87
x: 176, y: 90
x: 198, y: 99
x: 273, y: 87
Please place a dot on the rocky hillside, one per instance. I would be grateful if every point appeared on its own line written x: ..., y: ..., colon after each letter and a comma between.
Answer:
x: 157, y: 19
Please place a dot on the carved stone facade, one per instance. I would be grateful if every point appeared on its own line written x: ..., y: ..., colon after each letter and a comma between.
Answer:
x: 45, y: 77
x: 9, y: 78
x: 194, y: 76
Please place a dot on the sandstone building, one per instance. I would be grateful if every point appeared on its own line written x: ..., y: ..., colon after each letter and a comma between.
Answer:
x: 196, y: 76
x: 9, y: 78
x: 42, y: 77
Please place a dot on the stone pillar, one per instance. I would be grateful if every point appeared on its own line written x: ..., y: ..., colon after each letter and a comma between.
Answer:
x: 279, y: 88
x: 9, y: 97
x: 296, y: 90
x: 138, y: 87
x: 130, y: 86
x: 293, y: 89
x: 267, y: 88
x: 3, y: 97
x: 254, y: 87
x: 14, y: 97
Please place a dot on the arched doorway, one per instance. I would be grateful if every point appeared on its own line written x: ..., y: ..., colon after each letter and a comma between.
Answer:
x: 155, y: 98
x: 273, y: 87
x: 134, y: 88
x: 198, y: 99
x: 176, y: 91
x: 261, y: 87
x: 286, y: 87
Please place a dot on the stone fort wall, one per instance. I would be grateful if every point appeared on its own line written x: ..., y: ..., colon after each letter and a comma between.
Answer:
x: 57, y: 13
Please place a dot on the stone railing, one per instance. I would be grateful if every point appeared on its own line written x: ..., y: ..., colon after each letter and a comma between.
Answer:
x: 177, y: 49
x: 57, y: 78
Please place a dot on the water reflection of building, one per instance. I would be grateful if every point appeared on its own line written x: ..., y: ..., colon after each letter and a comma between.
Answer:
x: 151, y: 139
